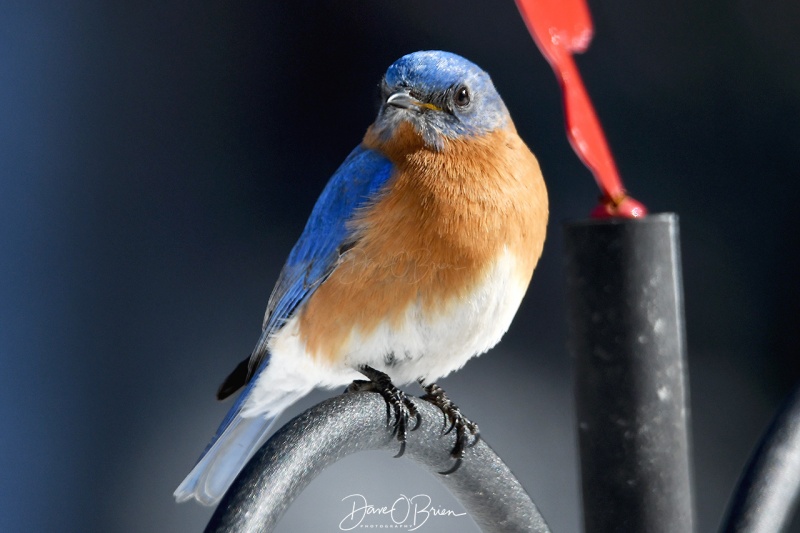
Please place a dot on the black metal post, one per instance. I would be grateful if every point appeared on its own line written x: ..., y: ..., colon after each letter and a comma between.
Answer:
x: 628, y: 342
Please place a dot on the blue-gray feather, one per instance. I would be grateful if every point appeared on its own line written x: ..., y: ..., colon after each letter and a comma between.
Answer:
x: 357, y: 181
x: 432, y: 77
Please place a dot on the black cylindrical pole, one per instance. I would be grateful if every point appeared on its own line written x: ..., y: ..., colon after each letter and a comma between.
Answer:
x: 628, y: 342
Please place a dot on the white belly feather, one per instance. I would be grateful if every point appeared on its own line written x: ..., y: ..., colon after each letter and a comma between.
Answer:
x: 428, y: 347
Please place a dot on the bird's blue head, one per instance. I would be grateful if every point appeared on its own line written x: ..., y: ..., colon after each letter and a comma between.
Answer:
x: 442, y: 95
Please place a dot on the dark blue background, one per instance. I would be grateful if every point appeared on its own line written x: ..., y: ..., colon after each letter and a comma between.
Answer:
x: 158, y: 159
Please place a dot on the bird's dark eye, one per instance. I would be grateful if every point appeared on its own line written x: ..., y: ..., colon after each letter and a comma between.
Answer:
x: 461, y: 96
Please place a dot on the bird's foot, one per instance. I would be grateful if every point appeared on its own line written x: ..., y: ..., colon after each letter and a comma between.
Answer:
x: 452, y: 415
x: 396, y: 402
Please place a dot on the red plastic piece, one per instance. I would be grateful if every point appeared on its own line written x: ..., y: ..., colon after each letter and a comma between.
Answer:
x: 561, y: 28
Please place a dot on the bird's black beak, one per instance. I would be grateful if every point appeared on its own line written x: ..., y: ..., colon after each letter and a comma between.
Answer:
x: 403, y: 100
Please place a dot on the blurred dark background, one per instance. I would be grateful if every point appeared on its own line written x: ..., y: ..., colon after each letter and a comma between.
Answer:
x: 158, y: 160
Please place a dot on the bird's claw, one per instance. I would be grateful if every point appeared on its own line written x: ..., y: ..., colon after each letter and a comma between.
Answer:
x: 397, y: 403
x: 464, y: 427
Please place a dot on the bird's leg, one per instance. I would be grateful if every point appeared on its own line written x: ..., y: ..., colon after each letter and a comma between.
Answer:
x: 435, y: 395
x: 396, y: 400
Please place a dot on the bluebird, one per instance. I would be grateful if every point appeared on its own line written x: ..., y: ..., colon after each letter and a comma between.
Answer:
x: 414, y: 259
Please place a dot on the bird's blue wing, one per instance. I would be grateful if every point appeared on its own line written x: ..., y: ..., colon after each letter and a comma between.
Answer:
x: 314, y: 256
x: 357, y: 181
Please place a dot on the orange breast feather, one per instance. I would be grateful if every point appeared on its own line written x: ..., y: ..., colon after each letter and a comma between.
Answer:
x: 442, y: 221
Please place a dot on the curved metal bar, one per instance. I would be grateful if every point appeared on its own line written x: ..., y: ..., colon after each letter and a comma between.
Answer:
x: 769, y: 490
x: 355, y: 422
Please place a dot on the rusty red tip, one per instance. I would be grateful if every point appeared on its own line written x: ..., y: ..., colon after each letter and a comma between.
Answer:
x: 626, y: 207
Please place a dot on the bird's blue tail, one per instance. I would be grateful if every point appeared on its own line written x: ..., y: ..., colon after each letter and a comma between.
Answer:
x: 221, y: 463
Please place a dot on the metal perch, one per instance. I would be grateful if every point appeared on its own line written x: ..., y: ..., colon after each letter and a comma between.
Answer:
x: 768, y: 492
x: 355, y: 422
